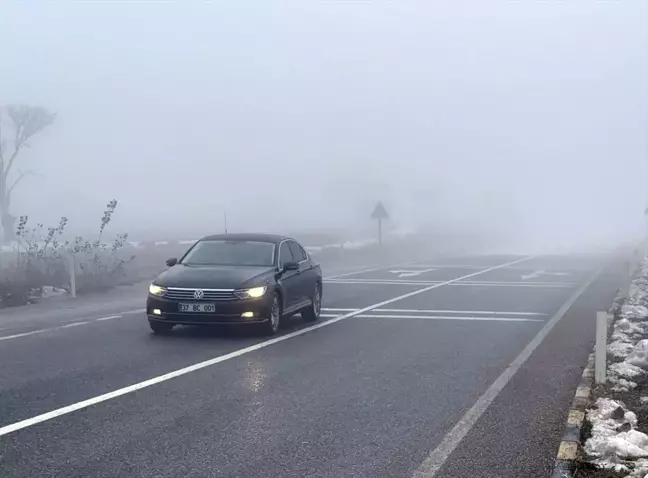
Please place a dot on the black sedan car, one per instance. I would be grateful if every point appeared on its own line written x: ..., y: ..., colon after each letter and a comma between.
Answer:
x: 236, y: 278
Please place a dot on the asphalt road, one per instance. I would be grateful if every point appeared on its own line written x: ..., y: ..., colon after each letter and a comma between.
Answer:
x: 382, y: 387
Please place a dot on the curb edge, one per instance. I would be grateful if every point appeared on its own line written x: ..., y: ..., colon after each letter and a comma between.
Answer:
x: 569, y: 448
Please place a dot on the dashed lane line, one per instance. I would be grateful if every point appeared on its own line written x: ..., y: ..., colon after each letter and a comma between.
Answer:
x: 110, y: 317
x: 64, y: 326
x: 24, y: 334
x: 5, y: 430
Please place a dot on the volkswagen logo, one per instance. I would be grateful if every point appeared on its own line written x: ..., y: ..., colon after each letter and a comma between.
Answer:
x: 199, y: 294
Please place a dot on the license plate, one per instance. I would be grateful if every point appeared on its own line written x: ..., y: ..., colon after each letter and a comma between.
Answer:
x: 196, y: 307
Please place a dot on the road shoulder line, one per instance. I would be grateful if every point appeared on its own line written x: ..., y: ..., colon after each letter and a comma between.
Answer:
x: 438, y: 456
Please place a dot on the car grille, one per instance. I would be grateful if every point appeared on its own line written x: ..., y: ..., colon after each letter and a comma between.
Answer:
x: 208, y: 294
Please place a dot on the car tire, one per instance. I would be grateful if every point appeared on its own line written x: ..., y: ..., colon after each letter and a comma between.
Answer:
x: 160, y: 328
x: 271, y: 326
x: 312, y: 313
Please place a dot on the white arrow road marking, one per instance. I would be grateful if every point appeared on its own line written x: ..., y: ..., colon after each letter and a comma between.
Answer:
x: 533, y: 275
x: 411, y: 273
x: 543, y: 272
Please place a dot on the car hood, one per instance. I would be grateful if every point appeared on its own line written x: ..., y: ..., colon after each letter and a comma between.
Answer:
x: 213, y: 277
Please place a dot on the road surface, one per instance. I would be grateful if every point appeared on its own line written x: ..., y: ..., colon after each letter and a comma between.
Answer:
x: 460, y: 366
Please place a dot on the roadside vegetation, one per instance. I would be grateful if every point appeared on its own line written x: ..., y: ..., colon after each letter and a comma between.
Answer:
x: 43, y: 260
x: 40, y: 260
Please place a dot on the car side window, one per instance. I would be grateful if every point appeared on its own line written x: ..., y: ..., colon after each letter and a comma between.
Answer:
x: 297, y: 251
x: 285, y: 255
x: 304, y: 253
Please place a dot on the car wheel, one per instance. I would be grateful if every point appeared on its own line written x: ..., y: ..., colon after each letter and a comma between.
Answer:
x: 160, y: 328
x: 272, y: 325
x: 313, y: 312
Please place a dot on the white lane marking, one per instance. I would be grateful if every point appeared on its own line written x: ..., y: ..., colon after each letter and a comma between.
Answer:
x: 464, y: 284
x: 452, y: 266
x: 440, y: 317
x: 440, y: 311
x: 24, y: 334
x: 411, y: 273
x: 222, y: 358
x: 558, y: 285
x: 73, y: 324
x: 42, y: 331
x: 559, y: 272
x: 134, y: 311
x: 543, y: 272
x: 373, y: 269
x: 533, y: 275
x: 64, y: 326
x: 437, y: 457
x: 110, y: 317
x: 423, y: 281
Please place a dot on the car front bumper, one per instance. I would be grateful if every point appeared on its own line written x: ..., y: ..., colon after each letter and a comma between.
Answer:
x: 160, y: 309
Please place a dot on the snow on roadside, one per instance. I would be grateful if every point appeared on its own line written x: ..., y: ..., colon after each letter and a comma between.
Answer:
x: 615, y: 443
x: 627, y: 342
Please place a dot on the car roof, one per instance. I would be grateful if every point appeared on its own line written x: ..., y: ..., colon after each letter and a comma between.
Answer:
x: 247, y: 237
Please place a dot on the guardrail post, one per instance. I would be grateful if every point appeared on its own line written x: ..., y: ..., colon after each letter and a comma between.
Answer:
x: 72, y: 268
x: 601, y: 347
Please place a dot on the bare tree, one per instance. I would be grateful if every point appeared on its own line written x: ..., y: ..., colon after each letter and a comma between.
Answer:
x: 24, y: 123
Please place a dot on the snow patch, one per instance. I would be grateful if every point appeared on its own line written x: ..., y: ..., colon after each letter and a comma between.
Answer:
x: 640, y: 469
x: 622, y: 385
x: 620, y: 348
x: 639, y: 355
x: 623, y: 369
x: 610, y: 447
x: 634, y: 312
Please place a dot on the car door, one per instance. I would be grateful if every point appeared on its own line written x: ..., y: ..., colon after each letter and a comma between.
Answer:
x: 289, y: 280
x: 307, y: 276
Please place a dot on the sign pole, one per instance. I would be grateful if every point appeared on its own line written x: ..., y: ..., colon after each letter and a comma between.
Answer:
x: 379, y: 213
x: 600, y: 350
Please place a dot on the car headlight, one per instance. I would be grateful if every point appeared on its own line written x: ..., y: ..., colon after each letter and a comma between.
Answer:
x: 157, y: 290
x: 253, y: 293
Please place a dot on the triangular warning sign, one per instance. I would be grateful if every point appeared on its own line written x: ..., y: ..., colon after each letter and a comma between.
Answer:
x: 379, y: 212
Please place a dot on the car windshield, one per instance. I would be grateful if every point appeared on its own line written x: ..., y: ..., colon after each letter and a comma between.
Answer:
x: 231, y: 253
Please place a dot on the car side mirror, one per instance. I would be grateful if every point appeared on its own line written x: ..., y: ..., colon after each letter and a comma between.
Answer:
x: 171, y: 262
x: 290, y: 266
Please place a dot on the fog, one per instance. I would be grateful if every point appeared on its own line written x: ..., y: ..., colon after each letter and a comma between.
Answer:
x: 525, y: 118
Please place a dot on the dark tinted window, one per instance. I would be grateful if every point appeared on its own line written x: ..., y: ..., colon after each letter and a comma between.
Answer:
x: 297, y: 252
x: 231, y: 253
x: 285, y: 255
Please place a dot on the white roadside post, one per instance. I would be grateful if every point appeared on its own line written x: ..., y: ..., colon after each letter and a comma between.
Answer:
x: 601, y: 347
x: 72, y: 267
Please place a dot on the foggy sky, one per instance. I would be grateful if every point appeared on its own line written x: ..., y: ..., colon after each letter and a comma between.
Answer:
x: 530, y: 115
